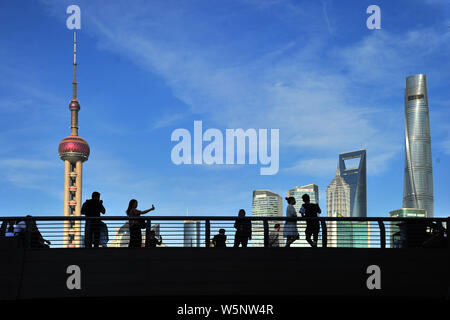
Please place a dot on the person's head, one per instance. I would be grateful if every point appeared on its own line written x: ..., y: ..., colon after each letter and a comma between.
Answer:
x: 95, y: 195
x: 241, y: 213
x: 221, y: 231
x: 132, y: 205
x: 290, y: 200
x: 152, y: 234
x: 277, y: 226
x: 305, y: 198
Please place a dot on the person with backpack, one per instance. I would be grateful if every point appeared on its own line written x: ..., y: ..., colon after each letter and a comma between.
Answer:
x: 310, y: 210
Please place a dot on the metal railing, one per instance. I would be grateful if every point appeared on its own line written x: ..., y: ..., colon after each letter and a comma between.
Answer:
x: 175, y: 231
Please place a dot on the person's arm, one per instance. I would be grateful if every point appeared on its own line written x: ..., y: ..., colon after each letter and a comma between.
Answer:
x: 318, y: 209
x: 84, y: 208
x: 102, y: 208
x: 148, y: 210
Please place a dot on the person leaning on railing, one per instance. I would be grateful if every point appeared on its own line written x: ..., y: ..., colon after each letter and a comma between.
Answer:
x: 136, y: 224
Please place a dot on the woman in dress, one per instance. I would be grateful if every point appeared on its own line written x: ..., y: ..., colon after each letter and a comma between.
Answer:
x: 135, y: 224
x: 290, y: 227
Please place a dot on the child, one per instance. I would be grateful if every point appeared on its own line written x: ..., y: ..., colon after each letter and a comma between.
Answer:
x: 220, y: 239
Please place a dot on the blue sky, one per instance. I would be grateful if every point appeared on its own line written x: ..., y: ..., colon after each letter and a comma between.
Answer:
x: 311, y: 69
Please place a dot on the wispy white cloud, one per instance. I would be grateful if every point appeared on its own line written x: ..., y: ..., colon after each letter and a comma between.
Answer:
x: 167, y: 120
x: 315, y: 167
x: 319, y: 107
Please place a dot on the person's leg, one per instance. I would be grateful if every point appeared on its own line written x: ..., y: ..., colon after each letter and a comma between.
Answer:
x: 289, y: 241
x: 88, y: 234
x: 96, y: 233
x: 244, y: 242
x: 139, y: 238
x: 316, y: 237
x: 133, y: 237
x: 236, y: 241
x: 308, y: 234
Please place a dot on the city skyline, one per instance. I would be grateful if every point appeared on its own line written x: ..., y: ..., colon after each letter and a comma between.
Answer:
x: 327, y: 87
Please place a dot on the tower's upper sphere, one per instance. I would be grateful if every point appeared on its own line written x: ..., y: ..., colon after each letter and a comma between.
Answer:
x: 74, y: 105
x: 73, y: 149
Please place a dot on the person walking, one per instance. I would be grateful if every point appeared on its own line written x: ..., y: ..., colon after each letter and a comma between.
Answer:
x: 310, y: 210
x: 135, y: 224
x: 290, y: 227
x: 243, y: 230
x: 92, y: 208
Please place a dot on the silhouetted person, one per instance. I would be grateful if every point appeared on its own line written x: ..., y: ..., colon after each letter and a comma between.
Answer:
x: 310, y: 210
x: 92, y: 208
x: 20, y: 231
x: 7, y: 228
x: 153, y: 240
x: 274, y: 236
x: 37, y: 241
x: 136, y: 225
x: 220, y: 239
x: 290, y: 227
x: 243, y: 230
x: 438, y: 238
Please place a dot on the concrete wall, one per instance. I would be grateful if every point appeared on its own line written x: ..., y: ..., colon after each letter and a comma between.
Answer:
x: 120, y: 272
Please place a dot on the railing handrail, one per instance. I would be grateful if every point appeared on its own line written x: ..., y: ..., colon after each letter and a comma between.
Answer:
x: 213, y: 218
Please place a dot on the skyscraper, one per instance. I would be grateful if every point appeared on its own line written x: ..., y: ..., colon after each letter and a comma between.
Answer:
x: 265, y: 204
x: 418, y: 179
x: 354, y: 174
x: 191, y: 234
x: 73, y: 150
x: 338, y: 205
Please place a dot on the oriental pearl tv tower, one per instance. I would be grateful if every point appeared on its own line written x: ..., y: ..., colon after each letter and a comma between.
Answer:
x: 73, y: 150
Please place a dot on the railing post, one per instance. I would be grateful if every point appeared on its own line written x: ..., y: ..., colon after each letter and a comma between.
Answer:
x: 207, y: 232
x: 28, y: 223
x: 447, y: 227
x: 266, y: 233
x: 148, y: 228
x: 382, y: 233
x: 323, y: 224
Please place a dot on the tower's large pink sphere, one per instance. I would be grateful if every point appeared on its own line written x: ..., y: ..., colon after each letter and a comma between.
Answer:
x: 73, y: 148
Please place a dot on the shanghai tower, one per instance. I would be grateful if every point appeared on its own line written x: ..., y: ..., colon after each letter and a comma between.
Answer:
x: 418, y: 183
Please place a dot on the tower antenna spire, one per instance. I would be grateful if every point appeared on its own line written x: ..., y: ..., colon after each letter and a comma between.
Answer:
x: 74, y: 65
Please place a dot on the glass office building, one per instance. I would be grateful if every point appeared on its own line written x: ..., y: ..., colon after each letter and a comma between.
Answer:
x: 265, y: 204
x: 192, y: 234
x: 338, y: 205
x: 418, y: 176
x: 352, y: 166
